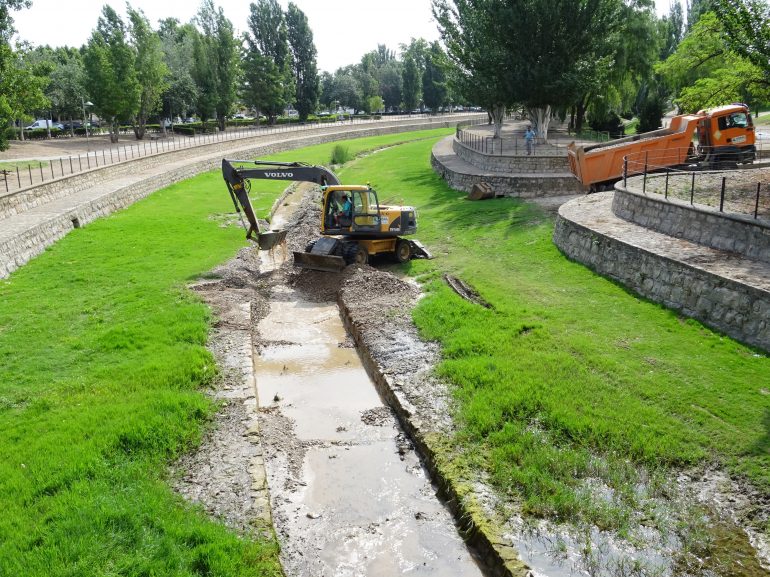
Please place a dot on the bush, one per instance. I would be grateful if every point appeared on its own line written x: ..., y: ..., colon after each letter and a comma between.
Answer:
x: 341, y: 154
x: 611, y: 124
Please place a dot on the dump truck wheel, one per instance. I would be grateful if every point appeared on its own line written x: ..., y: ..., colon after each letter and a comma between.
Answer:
x: 403, y: 251
x: 354, y: 253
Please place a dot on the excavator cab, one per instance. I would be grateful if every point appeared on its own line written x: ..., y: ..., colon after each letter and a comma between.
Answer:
x: 363, y: 216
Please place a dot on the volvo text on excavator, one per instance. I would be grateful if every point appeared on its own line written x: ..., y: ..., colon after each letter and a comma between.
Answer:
x: 354, y: 225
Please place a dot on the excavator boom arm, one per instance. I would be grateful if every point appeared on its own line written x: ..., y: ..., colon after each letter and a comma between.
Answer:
x: 236, y: 177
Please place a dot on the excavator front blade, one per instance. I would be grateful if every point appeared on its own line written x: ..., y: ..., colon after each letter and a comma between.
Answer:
x: 323, y: 262
x: 321, y: 257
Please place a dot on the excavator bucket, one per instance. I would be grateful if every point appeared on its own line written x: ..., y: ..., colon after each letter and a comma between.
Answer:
x: 268, y: 240
x: 320, y: 257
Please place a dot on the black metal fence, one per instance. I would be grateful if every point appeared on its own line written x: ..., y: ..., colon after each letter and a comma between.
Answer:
x: 744, y: 191
x: 514, y: 144
x: 24, y: 174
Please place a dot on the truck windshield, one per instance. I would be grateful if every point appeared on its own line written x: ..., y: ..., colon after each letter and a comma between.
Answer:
x: 734, y: 120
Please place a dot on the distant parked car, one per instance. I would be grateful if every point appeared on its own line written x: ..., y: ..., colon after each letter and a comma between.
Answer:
x: 75, y: 124
x: 44, y: 123
x: 190, y: 120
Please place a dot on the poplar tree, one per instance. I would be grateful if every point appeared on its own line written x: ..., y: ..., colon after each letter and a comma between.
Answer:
x: 151, y: 70
x: 303, y: 61
x: 110, y: 64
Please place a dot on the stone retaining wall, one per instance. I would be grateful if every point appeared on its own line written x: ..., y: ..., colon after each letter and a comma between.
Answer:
x: 519, y: 186
x: 699, y: 224
x: 513, y: 164
x: 20, y: 249
x: 740, y: 311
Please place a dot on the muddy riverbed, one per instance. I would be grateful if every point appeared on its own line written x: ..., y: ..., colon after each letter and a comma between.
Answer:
x: 304, y: 441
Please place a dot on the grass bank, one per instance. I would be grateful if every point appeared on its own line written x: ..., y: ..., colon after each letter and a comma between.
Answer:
x: 102, y: 366
x: 569, y: 377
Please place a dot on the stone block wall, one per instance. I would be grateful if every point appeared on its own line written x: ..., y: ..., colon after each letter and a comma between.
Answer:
x: 520, y: 186
x: 512, y: 164
x: 737, y: 310
x: 702, y: 225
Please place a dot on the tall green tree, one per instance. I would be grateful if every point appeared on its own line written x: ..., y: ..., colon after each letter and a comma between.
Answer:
x: 151, y: 69
x: 435, y: 92
x: 303, y: 61
x: 67, y: 88
x: 110, y: 64
x: 10, y: 81
x: 177, y: 41
x: 706, y: 72
x: 536, y: 53
x: 216, y: 68
x: 411, y: 84
x: 391, y: 83
x: 267, y: 38
x: 747, y: 29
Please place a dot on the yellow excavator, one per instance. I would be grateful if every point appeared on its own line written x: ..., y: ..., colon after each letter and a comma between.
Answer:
x: 354, y: 225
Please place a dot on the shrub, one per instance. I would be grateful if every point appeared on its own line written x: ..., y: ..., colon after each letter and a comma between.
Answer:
x: 341, y: 154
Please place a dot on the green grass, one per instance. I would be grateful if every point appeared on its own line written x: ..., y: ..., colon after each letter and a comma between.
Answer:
x: 102, y: 366
x: 569, y: 376
x: 22, y: 164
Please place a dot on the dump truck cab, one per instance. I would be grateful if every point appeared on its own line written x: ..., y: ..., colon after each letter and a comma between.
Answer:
x: 726, y: 135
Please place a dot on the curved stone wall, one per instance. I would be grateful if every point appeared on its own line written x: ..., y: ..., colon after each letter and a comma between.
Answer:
x: 515, y: 164
x: 727, y: 305
x: 702, y: 225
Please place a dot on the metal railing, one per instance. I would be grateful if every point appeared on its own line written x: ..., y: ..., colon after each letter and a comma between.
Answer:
x: 742, y: 192
x: 516, y: 145
x: 31, y: 173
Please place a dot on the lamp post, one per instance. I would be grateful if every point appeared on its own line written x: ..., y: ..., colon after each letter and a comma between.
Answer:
x: 85, y: 121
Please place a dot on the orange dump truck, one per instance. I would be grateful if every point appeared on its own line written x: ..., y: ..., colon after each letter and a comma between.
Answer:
x: 716, y: 138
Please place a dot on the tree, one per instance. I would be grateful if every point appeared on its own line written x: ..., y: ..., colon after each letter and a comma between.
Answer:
x: 434, y: 78
x: 10, y: 83
x: 326, y: 97
x: 509, y: 53
x: 216, y: 69
x: 151, y: 70
x: 303, y: 61
x: 391, y: 83
x: 411, y: 84
x: 706, y: 72
x: 178, y: 42
x: 67, y: 87
x: 347, y: 90
x: 110, y: 71
x: 747, y: 29
x: 267, y: 38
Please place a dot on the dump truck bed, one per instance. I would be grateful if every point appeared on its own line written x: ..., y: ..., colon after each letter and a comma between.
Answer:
x: 600, y: 163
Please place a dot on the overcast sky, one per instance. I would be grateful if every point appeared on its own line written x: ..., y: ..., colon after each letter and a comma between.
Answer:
x: 343, y: 30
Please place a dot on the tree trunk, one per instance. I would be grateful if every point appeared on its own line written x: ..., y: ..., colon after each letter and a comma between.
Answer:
x: 497, y: 112
x: 540, y: 118
x: 139, y: 128
x: 114, y: 130
x: 222, y: 122
x: 21, y: 130
x: 580, y: 113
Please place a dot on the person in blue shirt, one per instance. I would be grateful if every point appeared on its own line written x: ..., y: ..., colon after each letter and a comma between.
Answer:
x: 345, y: 216
x: 529, y: 138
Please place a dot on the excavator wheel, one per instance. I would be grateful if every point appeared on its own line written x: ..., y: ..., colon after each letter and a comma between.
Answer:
x: 354, y: 253
x: 403, y: 251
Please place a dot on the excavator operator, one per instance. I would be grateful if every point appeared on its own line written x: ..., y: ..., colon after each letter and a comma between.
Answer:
x: 345, y: 215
